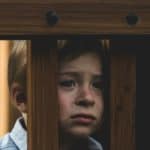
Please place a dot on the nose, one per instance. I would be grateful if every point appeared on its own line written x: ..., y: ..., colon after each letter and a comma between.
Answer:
x: 85, y: 97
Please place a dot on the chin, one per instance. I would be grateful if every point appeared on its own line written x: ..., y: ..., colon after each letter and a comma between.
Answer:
x: 81, y: 132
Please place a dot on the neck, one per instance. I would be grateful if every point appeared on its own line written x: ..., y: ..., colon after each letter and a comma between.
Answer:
x: 69, y: 142
x: 25, y: 118
x: 23, y: 124
x: 66, y: 142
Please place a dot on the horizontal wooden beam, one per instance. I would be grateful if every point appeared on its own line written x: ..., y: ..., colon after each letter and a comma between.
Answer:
x: 74, y: 18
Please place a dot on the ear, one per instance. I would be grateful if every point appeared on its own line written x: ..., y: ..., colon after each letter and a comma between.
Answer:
x: 18, y: 97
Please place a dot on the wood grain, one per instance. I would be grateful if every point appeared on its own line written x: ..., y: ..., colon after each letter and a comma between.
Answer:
x: 42, y: 104
x: 122, y: 100
x: 75, y: 18
x: 75, y: 1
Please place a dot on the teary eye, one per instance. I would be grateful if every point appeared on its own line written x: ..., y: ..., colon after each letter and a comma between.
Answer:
x: 67, y: 83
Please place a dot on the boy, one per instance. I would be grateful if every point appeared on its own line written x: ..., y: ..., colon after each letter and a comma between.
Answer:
x: 80, y: 94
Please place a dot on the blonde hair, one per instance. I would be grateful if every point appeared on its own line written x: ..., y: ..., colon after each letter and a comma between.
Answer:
x: 17, y: 63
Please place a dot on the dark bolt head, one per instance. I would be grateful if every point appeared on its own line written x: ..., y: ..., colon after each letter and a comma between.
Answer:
x: 132, y: 19
x: 51, y: 18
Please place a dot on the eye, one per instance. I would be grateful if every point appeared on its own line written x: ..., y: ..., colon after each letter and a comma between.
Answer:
x: 67, y: 83
x: 98, y: 85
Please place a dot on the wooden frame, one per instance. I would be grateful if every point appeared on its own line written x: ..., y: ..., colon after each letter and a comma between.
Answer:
x: 91, y: 17
x: 27, y: 18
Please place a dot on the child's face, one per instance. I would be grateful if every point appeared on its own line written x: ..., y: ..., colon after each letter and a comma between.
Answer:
x: 80, y: 95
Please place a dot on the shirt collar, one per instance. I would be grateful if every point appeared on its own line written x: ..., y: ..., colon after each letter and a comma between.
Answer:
x: 94, y: 144
x: 19, y: 135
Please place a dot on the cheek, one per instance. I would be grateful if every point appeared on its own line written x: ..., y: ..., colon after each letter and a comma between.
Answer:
x: 65, y: 102
x: 100, y: 105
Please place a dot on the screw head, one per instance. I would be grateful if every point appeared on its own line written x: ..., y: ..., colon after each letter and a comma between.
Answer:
x: 132, y: 19
x: 52, y: 18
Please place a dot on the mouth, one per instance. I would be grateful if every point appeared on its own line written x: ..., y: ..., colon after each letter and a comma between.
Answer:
x: 83, y: 118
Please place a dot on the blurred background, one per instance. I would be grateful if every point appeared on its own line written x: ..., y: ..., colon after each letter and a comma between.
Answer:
x: 8, y: 113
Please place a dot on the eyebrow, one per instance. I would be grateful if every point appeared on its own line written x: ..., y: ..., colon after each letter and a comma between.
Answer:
x: 76, y: 74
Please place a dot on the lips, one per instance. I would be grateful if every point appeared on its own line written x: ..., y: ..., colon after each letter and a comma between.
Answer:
x: 83, y: 118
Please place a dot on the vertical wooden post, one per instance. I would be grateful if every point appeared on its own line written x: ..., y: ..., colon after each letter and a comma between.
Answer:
x: 42, y: 95
x: 122, y: 100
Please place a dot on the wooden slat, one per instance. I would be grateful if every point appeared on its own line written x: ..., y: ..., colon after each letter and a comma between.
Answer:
x: 74, y: 1
x: 142, y: 2
x: 47, y: 1
x: 42, y: 104
x: 122, y: 100
x: 75, y: 18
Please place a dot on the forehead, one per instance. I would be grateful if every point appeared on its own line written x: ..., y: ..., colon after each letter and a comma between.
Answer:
x: 88, y: 63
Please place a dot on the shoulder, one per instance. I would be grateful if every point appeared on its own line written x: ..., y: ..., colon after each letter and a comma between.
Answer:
x: 6, y: 143
x: 94, y: 144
